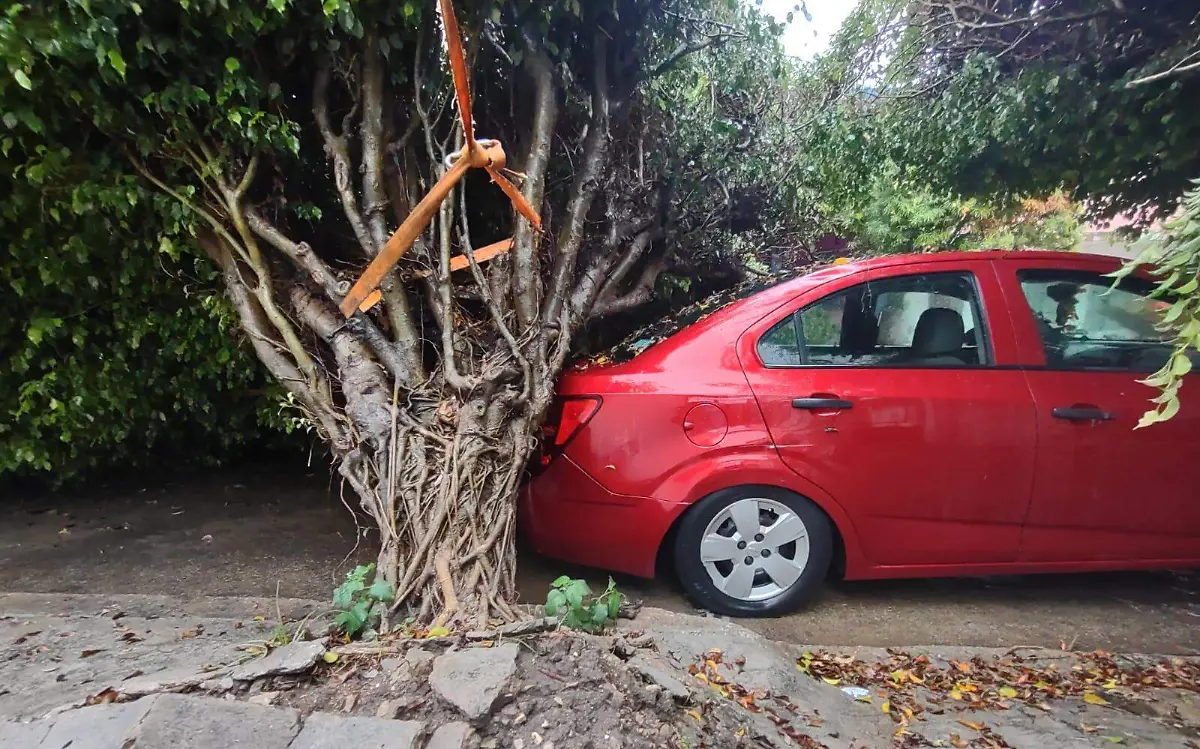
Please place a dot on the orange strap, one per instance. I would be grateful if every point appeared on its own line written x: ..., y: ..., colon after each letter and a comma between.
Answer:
x: 488, y: 155
x: 482, y: 255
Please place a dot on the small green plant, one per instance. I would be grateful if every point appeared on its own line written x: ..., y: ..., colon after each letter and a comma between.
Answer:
x: 356, y: 604
x: 280, y: 635
x: 571, y: 599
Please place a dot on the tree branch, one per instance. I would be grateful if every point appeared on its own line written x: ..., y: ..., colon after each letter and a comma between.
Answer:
x: 371, y: 137
x: 586, y: 185
x: 318, y: 405
x: 641, y: 292
x: 307, y: 261
x: 683, y: 50
x: 489, y: 301
x: 593, y: 277
x: 362, y: 383
x: 338, y: 151
x: 444, y: 287
x: 396, y: 300
x: 1175, y: 69
x: 526, y: 275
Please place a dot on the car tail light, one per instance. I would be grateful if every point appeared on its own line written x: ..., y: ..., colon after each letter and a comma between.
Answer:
x: 568, y: 416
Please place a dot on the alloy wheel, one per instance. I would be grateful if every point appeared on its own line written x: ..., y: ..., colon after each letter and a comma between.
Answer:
x: 755, y: 549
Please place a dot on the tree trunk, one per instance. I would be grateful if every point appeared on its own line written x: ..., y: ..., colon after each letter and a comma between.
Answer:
x: 443, y: 496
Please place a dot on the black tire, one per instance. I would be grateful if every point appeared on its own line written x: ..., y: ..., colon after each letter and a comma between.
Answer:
x: 699, y: 586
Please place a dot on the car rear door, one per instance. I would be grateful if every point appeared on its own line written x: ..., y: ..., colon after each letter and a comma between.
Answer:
x: 1103, y: 489
x: 928, y: 446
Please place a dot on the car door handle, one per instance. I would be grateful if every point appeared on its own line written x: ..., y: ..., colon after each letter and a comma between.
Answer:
x: 821, y: 404
x: 1082, y: 413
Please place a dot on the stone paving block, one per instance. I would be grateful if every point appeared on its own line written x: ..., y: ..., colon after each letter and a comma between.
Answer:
x: 474, y: 679
x: 451, y: 736
x: 167, y: 680
x: 293, y: 658
x: 329, y: 731
x: 96, y: 727
x: 23, y: 735
x: 180, y: 722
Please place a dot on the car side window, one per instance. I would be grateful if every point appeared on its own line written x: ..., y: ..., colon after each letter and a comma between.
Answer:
x: 780, y: 346
x: 1086, y: 323
x: 927, y: 320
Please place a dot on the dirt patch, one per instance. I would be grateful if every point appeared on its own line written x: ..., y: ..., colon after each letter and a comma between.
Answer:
x: 568, y: 691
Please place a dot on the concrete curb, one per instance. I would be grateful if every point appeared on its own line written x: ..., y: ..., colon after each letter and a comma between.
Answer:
x: 173, y: 721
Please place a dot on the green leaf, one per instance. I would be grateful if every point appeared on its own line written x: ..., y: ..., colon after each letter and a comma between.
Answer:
x: 1181, y: 364
x: 1175, y: 311
x: 555, y: 601
x: 232, y: 65
x: 580, y: 587
x: 574, y: 598
x: 561, y: 581
x: 351, y: 622
x: 117, y: 61
x: 613, y: 600
x: 345, y: 594
x: 382, y: 590
x: 23, y: 79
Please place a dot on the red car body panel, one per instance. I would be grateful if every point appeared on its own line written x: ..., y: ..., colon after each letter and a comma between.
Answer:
x: 932, y: 472
x: 905, y: 429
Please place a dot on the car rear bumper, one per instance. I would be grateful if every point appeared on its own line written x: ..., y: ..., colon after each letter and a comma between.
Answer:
x: 568, y: 515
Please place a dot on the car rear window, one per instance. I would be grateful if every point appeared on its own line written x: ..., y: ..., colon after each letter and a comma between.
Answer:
x: 658, y: 330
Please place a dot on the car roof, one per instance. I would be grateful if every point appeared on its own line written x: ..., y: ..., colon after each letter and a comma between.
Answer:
x: 770, y: 293
x: 951, y: 256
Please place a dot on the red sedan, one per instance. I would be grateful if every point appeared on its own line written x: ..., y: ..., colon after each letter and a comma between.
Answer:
x: 929, y: 415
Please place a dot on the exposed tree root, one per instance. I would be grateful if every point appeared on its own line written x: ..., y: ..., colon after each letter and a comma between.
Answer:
x: 447, y: 534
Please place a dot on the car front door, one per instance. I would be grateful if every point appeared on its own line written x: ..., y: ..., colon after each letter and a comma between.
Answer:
x: 889, y: 392
x: 1103, y: 490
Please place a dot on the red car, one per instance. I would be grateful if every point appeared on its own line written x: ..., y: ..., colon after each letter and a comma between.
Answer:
x: 966, y: 413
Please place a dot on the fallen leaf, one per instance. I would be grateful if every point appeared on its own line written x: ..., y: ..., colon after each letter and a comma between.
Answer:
x: 972, y: 725
x: 695, y: 714
x: 1113, y: 739
x: 957, y: 742
x: 438, y: 632
x: 1007, y: 692
x: 102, y: 698
x: 1094, y: 699
x: 188, y: 634
x: 65, y: 532
x: 330, y: 657
x: 90, y: 653
x: 886, y: 706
